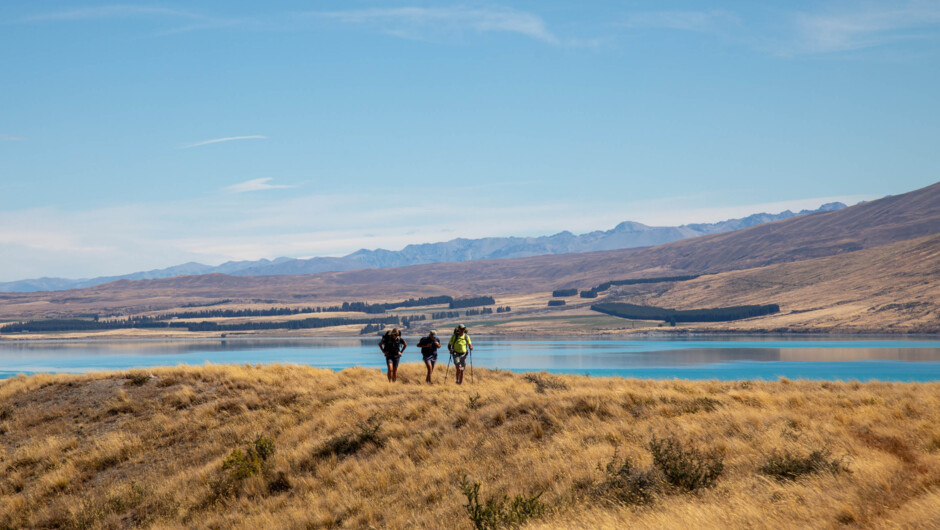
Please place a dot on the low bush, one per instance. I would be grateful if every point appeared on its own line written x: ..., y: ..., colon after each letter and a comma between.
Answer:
x: 500, y: 512
x: 474, y: 402
x: 688, y: 469
x: 788, y: 466
x: 543, y: 381
x: 137, y: 378
x: 626, y: 484
x: 243, y: 464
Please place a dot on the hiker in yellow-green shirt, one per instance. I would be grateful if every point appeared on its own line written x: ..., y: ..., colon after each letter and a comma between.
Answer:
x: 459, y: 347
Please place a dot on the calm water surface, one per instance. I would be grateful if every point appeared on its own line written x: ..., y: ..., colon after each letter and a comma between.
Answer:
x: 762, y: 357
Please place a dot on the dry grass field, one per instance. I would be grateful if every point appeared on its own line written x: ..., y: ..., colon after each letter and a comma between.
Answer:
x: 299, y: 447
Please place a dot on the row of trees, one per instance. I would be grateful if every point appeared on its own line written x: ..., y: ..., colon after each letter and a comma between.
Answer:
x: 472, y: 302
x: 713, y: 314
x: 307, y: 323
x: 355, y: 307
x: 593, y: 291
x: 45, y: 326
x: 483, y: 311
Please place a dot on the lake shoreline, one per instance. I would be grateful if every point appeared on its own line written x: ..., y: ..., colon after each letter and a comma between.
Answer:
x: 646, y: 334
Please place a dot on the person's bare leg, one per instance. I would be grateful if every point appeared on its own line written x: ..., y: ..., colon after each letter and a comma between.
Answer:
x: 389, y: 371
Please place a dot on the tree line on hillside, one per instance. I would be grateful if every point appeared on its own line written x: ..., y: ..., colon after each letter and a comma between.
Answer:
x: 208, y: 304
x: 354, y: 307
x: 53, y: 325
x: 472, y: 302
x: 593, y: 291
x: 713, y: 314
x: 307, y: 323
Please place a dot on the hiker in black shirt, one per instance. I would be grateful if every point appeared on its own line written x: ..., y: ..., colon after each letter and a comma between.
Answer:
x: 429, y: 346
x: 392, y: 345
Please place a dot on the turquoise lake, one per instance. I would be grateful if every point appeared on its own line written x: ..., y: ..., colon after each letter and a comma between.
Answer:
x: 763, y: 357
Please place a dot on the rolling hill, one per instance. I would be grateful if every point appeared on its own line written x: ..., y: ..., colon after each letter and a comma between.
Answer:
x: 625, y: 235
x: 866, y: 248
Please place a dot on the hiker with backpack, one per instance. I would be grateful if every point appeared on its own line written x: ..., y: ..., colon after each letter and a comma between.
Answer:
x: 392, y: 345
x: 459, y: 347
x: 429, y: 346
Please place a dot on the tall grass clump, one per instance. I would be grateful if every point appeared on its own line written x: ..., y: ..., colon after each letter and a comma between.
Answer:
x: 544, y: 381
x: 137, y: 378
x: 366, y: 434
x: 686, y: 468
x: 625, y: 483
x: 789, y: 466
x: 499, y: 512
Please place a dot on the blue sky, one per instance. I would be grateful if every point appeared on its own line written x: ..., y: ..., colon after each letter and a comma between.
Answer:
x: 143, y: 135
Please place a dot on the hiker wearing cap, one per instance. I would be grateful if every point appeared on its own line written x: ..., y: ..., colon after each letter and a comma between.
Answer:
x: 392, y: 345
x: 429, y: 346
x: 459, y: 347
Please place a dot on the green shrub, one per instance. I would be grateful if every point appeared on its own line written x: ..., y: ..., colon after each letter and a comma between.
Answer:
x: 789, y: 466
x: 688, y: 469
x: 499, y: 512
x: 242, y: 465
x: 137, y: 378
x: 627, y: 484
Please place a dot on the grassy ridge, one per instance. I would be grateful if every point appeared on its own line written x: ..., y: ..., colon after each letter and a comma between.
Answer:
x: 276, y: 446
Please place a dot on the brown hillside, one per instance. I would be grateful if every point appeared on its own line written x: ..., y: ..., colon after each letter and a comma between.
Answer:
x: 348, y: 450
x: 867, y: 225
x: 887, y: 288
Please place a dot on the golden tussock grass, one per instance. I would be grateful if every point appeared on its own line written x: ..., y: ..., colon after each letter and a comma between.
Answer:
x: 192, y: 446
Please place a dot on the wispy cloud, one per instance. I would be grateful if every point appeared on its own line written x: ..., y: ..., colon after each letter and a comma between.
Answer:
x: 868, y: 26
x: 10, y: 138
x: 701, y: 21
x: 113, y: 11
x: 853, y: 27
x: 227, y: 139
x: 421, y: 22
x: 255, y: 185
x: 193, y: 21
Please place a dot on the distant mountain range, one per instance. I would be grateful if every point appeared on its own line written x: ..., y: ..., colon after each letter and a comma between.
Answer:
x: 625, y: 235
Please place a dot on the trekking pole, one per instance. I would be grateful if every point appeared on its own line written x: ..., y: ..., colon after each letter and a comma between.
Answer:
x: 448, y: 367
x: 470, y: 353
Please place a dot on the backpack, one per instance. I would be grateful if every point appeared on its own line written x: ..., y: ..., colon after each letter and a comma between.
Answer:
x: 391, y: 345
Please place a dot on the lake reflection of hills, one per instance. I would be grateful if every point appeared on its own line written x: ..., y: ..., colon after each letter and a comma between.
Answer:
x: 715, y: 358
x: 176, y: 347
